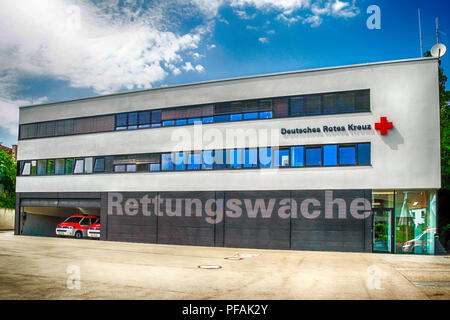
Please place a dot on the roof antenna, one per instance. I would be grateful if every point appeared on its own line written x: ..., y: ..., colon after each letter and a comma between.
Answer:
x: 438, y: 49
x: 420, y: 35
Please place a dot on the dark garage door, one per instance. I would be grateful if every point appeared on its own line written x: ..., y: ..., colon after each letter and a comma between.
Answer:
x: 256, y: 231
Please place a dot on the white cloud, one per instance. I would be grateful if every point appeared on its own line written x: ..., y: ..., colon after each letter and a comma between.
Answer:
x: 199, y: 68
x: 189, y: 67
x: 244, y: 15
x: 263, y: 40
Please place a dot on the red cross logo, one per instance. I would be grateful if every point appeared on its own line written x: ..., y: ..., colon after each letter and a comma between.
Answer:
x: 383, y: 126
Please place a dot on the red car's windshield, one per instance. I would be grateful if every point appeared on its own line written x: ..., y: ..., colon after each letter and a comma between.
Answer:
x: 73, y: 219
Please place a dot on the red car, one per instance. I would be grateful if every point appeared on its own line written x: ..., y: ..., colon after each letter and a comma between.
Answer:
x: 94, y: 230
x: 76, y: 226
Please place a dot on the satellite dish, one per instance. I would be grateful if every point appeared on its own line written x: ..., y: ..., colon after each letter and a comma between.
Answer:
x: 438, y: 50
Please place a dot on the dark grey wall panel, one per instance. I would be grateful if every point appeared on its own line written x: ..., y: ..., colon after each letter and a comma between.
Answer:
x: 40, y: 225
x: 271, y: 232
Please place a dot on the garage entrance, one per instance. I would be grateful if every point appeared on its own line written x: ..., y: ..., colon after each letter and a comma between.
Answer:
x: 39, y: 217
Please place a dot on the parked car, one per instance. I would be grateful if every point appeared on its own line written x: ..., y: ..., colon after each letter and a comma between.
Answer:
x: 76, y: 226
x: 419, y: 244
x: 94, y: 230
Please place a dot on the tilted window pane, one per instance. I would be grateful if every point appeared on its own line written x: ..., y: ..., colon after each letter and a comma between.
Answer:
x: 168, y: 123
x: 314, y: 156
x: 297, y: 157
x: 347, y: 155
x: 99, y: 165
x: 265, y: 157
x: 364, y: 154
x: 265, y: 115
x: 194, y: 120
x: 251, y: 116
x: 208, y: 120
x: 330, y: 155
x: 26, y: 170
x: 59, y: 166
x: 222, y: 118
x: 79, y: 166
x: 181, y: 122
x: 33, y: 167
x: 236, y: 117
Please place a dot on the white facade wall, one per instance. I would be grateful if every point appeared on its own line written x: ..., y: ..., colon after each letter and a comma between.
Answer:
x: 408, y: 157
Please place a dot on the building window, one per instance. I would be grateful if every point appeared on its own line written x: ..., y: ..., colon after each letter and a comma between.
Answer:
x: 26, y: 170
x: 194, y: 120
x: 121, y: 121
x: 251, y: 158
x: 42, y: 167
x: 330, y: 155
x: 88, y: 165
x: 281, y: 158
x: 265, y: 115
x: 280, y: 108
x: 313, y: 156
x: 79, y: 166
x: 297, y: 156
x: 69, y: 166
x: 132, y: 120
x: 207, y: 159
x: 59, y: 166
x: 181, y: 122
x: 144, y: 119
x: 222, y: 118
x: 364, y: 154
x: 236, y: 117
x: 166, y: 162
x: 168, y: 123
x: 99, y: 165
x: 347, y: 155
x: 180, y: 161
x: 156, y: 117
x: 155, y: 167
x: 194, y: 161
x: 220, y: 159
x: 120, y: 168
x: 329, y: 103
x: 207, y: 120
x: 313, y: 104
x: 131, y: 167
x: 297, y: 107
x: 234, y: 158
x: 50, y: 167
x: 265, y: 157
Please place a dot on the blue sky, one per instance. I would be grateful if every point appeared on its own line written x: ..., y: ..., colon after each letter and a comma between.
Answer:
x: 53, y: 50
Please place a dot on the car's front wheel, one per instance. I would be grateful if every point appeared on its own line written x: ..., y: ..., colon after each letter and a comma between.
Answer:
x: 78, y: 235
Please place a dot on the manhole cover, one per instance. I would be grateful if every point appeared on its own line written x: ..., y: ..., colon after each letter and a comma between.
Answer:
x: 210, y: 267
x: 233, y: 258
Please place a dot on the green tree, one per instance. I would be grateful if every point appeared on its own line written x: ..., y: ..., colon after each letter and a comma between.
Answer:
x: 444, y: 99
x: 8, y: 169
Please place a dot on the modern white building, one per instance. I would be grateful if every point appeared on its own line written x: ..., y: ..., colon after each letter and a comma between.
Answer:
x: 339, y: 159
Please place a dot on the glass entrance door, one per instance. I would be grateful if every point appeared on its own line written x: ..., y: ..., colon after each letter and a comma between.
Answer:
x: 383, y: 236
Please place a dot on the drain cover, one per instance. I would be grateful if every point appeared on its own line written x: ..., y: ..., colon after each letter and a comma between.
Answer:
x: 210, y: 267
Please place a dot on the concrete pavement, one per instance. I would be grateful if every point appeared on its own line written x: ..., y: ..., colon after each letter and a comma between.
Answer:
x: 46, y: 268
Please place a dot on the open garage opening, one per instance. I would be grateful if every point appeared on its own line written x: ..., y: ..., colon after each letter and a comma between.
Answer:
x: 71, y: 217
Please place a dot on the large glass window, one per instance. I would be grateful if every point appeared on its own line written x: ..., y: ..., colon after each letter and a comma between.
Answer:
x: 121, y: 121
x: 281, y: 158
x: 166, y: 161
x: 234, y: 158
x: 330, y: 155
x: 220, y: 159
x: 50, y: 167
x: 329, y: 103
x: 42, y: 167
x: 26, y: 170
x: 222, y: 118
x: 251, y: 158
x: 415, y: 221
x: 180, y: 161
x: 59, y: 166
x: 144, y: 119
x: 347, y: 155
x: 132, y: 120
x: 265, y: 157
x: 194, y: 161
x: 313, y: 104
x: 297, y: 107
x: 88, y: 165
x: 69, y: 165
x: 207, y: 159
x: 313, y: 156
x: 297, y: 156
x: 364, y: 154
